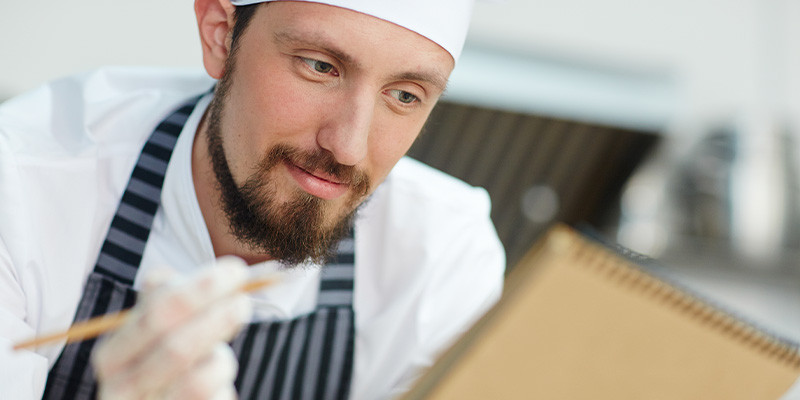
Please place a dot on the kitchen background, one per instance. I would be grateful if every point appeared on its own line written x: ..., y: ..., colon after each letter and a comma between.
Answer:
x: 670, y: 127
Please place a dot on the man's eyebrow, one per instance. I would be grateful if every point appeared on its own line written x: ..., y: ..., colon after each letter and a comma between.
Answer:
x: 314, y: 40
x: 433, y: 77
x: 319, y: 40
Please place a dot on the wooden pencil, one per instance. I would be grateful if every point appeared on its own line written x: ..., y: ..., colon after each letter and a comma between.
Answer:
x: 105, y: 323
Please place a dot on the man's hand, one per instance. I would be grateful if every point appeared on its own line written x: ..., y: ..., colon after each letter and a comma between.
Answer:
x: 173, y: 346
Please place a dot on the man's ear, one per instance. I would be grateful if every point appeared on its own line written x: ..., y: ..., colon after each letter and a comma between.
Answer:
x: 215, y: 23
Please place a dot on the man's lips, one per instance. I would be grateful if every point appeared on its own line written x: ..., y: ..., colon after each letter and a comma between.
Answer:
x: 316, y: 183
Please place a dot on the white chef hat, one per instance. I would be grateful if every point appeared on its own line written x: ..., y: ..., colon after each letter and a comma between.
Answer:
x: 445, y: 22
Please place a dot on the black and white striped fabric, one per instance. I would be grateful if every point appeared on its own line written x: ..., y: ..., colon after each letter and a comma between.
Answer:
x: 309, y: 357
x: 124, y: 245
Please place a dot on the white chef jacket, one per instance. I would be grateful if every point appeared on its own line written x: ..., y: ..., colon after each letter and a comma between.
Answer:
x: 428, y: 261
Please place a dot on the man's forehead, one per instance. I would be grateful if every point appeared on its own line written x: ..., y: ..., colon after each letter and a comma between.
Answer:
x: 444, y: 22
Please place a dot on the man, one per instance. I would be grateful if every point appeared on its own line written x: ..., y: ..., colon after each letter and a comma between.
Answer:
x: 294, y: 159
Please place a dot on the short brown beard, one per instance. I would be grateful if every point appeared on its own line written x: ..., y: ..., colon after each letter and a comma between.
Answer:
x: 292, y: 232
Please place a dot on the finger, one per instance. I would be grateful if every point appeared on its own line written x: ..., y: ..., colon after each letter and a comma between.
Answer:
x: 228, y: 393
x: 167, y: 307
x: 156, y: 278
x: 180, y: 351
x: 211, y: 379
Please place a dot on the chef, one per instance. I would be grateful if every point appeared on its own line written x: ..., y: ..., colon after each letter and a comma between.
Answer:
x: 163, y: 190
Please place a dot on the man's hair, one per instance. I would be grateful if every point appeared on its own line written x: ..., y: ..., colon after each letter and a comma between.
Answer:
x: 241, y: 19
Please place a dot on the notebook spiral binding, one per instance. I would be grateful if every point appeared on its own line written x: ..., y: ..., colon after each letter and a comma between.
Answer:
x: 627, y: 273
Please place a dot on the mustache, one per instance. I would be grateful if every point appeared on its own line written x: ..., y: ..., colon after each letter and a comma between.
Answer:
x: 318, y: 160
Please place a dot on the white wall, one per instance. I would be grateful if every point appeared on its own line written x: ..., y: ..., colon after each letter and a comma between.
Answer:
x: 728, y: 57
x: 44, y: 39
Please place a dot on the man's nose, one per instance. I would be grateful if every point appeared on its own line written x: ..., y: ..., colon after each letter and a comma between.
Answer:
x: 345, y: 133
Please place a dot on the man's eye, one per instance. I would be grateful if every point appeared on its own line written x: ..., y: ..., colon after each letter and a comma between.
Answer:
x: 319, y: 66
x: 403, y: 96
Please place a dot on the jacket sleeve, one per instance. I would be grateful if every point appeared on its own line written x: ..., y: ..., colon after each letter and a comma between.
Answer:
x: 22, y: 373
x: 468, y: 279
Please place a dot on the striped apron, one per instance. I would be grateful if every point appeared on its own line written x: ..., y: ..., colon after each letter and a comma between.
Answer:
x: 309, y: 357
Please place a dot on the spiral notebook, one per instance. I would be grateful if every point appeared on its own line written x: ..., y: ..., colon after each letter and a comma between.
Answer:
x: 581, y: 321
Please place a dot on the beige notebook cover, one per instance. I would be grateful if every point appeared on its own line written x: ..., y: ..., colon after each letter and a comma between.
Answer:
x: 578, y: 321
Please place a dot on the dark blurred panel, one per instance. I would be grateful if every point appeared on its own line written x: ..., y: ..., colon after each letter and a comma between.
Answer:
x: 537, y: 169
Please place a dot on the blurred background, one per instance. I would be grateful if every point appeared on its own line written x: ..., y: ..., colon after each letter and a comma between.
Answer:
x: 670, y: 127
